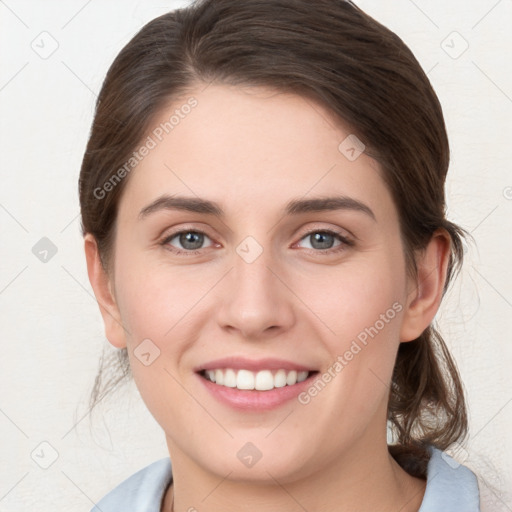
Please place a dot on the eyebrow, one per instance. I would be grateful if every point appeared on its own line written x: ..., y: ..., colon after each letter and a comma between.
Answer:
x: 293, y: 207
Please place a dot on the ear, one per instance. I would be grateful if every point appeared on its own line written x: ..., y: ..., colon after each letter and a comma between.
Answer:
x: 102, y: 287
x: 426, y: 291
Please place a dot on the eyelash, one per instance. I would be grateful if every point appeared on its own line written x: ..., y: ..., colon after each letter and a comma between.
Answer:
x: 345, y: 242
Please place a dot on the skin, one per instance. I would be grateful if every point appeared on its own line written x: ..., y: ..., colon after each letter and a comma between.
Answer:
x: 252, y: 150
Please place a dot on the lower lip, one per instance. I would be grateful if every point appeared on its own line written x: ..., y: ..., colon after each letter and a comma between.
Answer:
x: 253, y: 400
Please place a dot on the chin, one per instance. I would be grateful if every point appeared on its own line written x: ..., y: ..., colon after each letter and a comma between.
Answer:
x: 257, y: 458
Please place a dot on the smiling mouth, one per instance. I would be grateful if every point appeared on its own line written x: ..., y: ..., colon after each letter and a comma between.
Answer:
x: 263, y: 380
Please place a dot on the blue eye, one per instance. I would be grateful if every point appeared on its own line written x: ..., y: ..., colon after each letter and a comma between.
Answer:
x: 190, y: 241
x: 323, y: 240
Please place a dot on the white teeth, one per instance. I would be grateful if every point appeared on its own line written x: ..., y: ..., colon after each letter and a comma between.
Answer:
x: 302, y: 376
x: 291, y: 378
x: 230, y: 378
x: 280, y: 379
x: 263, y: 380
x: 244, y: 379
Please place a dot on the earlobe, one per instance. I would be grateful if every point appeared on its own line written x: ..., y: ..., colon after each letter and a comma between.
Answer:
x: 102, y: 287
x: 426, y: 292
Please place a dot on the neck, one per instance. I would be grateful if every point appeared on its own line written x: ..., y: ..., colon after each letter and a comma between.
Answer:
x: 362, y: 480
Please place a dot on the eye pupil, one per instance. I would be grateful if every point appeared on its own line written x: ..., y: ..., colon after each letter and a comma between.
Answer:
x: 191, y: 237
x: 325, y: 240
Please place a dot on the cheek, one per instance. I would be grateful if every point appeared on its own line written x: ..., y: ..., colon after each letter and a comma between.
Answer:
x: 156, y: 306
x: 363, y: 311
x: 163, y: 310
x: 153, y: 297
x: 360, y: 300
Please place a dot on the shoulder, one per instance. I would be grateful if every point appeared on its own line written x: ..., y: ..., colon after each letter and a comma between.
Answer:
x: 450, y: 485
x: 141, y: 492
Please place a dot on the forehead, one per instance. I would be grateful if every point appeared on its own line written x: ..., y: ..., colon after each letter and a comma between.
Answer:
x: 251, y: 146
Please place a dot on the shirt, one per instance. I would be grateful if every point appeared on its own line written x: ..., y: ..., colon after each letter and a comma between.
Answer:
x: 451, y: 487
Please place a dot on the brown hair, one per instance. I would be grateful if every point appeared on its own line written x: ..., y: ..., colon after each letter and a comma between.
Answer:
x: 333, y: 53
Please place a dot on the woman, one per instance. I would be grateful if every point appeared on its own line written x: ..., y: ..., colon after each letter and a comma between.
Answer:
x: 264, y: 218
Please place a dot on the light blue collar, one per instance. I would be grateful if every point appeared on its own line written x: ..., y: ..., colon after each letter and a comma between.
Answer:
x: 450, y: 486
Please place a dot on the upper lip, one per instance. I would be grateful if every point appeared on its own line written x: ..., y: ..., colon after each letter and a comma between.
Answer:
x: 241, y: 363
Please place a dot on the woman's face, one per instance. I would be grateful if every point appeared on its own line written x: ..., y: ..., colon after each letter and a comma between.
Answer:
x: 270, y: 280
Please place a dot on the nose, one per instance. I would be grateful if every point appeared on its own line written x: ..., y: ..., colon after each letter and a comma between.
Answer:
x: 256, y: 300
